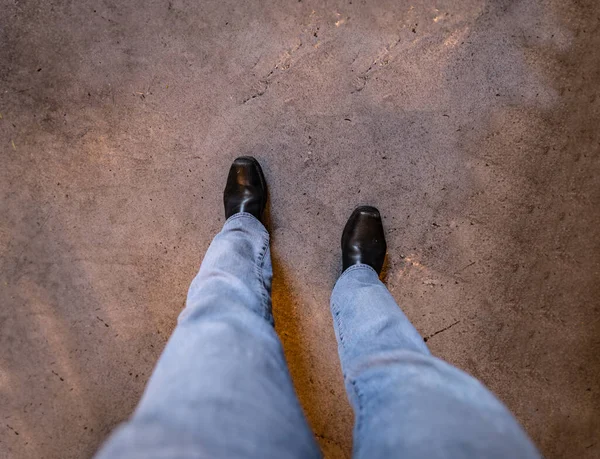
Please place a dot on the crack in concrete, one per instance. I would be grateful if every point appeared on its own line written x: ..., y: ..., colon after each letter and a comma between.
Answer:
x: 265, y: 81
x: 330, y: 440
x: 364, y: 77
x: 382, y: 60
x: 427, y: 338
x: 283, y: 64
x: 259, y: 93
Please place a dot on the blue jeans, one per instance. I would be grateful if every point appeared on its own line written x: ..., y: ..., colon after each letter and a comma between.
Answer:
x: 221, y: 388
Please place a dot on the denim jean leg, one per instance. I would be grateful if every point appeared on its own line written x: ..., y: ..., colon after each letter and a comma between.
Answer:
x: 221, y: 388
x: 407, y: 403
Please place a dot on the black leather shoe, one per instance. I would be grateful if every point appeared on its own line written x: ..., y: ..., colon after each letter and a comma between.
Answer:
x: 363, y: 240
x: 246, y: 189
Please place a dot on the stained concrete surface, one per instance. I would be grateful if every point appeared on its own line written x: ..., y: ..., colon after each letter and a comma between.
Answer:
x: 471, y: 124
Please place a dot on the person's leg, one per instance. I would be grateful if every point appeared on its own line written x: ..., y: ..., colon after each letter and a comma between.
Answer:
x: 409, y: 404
x: 221, y: 388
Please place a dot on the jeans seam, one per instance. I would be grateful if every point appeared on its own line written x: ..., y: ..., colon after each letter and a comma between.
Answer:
x: 259, y: 264
x: 359, y: 397
x: 261, y: 278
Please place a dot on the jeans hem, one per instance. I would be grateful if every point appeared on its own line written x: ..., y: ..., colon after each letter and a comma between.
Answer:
x: 247, y: 215
x: 359, y: 266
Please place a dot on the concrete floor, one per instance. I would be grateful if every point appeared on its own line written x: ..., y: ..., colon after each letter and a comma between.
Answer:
x: 471, y: 124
